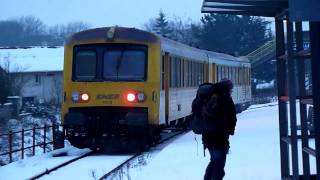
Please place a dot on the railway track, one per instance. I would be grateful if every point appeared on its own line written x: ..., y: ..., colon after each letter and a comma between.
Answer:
x: 122, y: 165
x: 165, y: 137
x: 48, y: 171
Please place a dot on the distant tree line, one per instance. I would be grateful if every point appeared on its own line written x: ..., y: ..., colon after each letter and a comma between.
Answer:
x: 31, y: 31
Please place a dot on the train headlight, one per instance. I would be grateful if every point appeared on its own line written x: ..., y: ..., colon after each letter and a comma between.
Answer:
x: 131, y: 97
x: 141, y: 97
x: 75, y: 96
x: 80, y: 97
x: 84, y: 97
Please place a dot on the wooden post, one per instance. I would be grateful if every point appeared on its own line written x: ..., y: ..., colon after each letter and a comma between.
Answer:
x: 10, y: 146
x: 54, y: 139
x: 33, y: 141
x: 22, y: 144
x: 44, y: 138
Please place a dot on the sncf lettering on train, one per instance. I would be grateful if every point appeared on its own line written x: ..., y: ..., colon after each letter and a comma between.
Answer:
x: 107, y: 96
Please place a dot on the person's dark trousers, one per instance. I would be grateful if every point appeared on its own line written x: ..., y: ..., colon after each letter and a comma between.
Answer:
x: 215, y: 168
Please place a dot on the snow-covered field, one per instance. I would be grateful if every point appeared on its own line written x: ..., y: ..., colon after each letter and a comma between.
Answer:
x: 254, y: 154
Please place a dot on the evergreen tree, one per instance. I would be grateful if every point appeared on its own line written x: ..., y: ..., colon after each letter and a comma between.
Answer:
x: 161, y: 25
x: 232, y: 34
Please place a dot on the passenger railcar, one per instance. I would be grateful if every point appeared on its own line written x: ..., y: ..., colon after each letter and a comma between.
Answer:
x: 122, y: 85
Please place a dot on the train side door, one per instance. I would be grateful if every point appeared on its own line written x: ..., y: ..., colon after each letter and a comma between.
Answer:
x: 211, y: 73
x: 166, y: 85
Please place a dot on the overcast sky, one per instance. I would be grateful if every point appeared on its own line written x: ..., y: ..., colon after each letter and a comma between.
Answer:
x: 100, y: 12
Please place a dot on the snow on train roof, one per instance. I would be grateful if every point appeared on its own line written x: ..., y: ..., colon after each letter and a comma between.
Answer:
x: 181, y: 49
x: 226, y: 59
x: 34, y: 59
x: 199, y: 54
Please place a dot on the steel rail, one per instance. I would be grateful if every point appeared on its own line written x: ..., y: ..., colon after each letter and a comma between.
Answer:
x: 114, y: 170
x: 48, y: 171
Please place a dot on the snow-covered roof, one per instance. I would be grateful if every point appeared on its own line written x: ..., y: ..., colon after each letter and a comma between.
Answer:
x: 35, y: 59
x: 265, y: 85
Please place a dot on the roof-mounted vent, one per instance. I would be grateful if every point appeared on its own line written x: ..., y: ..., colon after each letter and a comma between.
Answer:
x: 111, y: 32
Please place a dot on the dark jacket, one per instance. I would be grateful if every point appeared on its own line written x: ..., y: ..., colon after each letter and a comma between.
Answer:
x: 226, y: 121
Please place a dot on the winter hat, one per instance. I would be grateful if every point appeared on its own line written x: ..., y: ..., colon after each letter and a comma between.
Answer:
x: 226, y: 82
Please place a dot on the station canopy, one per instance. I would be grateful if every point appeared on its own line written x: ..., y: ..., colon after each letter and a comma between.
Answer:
x: 267, y: 8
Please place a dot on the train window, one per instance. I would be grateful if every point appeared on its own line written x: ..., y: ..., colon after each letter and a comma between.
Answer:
x: 177, y: 72
x: 170, y: 72
x: 187, y: 73
x: 226, y: 75
x: 218, y: 73
x: 241, y: 76
x: 235, y: 75
x: 196, y: 74
x: 193, y: 74
x: 85, y: 65
x: 196, y: 77
x: 249, y: 76
x: 201, y: 73
x: 190, y: 74
x: 182, y: 72
x: 162, y: 72
x: 245, y: 76
x: 124, y: 65
x: 238, y: 75
x: 222, y: 72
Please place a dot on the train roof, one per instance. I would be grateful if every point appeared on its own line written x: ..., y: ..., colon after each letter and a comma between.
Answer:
x: 121, y: 33
x: 226, y: 59
x: 181, y: 49
x: 197, y: 54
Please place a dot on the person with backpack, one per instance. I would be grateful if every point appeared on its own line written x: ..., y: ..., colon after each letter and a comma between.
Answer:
x: 217, y: 141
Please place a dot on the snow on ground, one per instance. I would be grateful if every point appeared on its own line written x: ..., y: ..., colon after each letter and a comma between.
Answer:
x: 92, y: 167
x: 254, y: 154
x: 31, y: 166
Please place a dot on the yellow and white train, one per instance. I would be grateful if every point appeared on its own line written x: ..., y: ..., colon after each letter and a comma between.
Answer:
x: 122, y: 85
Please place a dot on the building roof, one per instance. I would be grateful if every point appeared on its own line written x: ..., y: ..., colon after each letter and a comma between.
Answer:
x: 268, y: 8
x: 34, y: 59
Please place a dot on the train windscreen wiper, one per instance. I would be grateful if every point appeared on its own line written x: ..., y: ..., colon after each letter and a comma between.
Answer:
x: 119, y: 61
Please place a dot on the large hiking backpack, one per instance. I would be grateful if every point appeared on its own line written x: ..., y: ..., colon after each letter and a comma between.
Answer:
x: 204, y: 110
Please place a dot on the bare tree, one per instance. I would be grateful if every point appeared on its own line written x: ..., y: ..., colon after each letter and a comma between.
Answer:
x: 59, y: 33
x: 34, y: 30
x: 57, y: 90
x: 15, y: 79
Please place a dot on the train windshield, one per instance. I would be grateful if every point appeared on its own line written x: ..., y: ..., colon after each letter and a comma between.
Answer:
x: 124, y: 65
x: 85, y: 66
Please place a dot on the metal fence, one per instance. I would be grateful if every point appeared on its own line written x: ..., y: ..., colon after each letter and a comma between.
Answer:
x: 47, y: 139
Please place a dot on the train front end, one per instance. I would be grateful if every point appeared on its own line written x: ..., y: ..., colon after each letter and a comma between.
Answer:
x: 111, y: 88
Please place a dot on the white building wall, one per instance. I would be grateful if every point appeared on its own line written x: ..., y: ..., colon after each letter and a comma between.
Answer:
x: 45, y: 88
